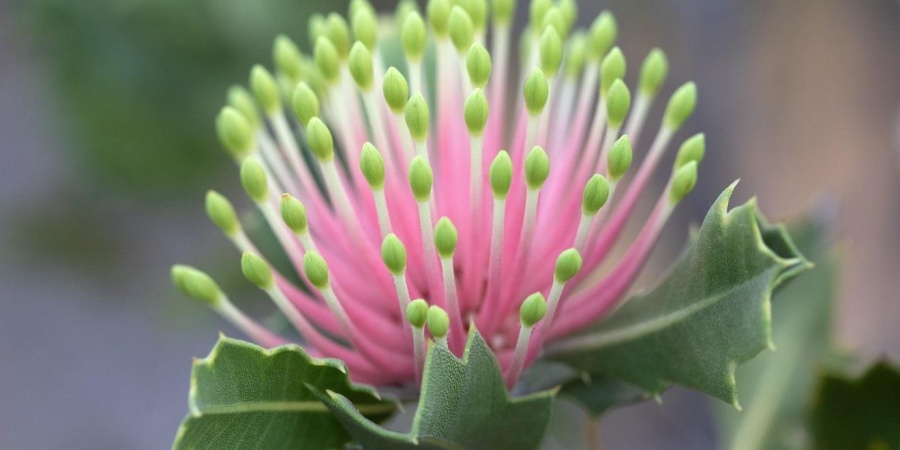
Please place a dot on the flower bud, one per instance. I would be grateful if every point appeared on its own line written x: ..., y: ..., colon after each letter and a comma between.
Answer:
x: 196, y: 284
x: 618, y: 101
x: 551, y: 51
x: 536, y: 91
x: 653, y: 72
x: 396, y: 90
x: 294, y: 214
x: 619, y: 159
x: 317, y: 27
x: 462, y: 31
x: 417, y: 117
x: 478, y: 64
x: 265, y: 88
x: 420, y: 178
x: 532, y: 310
x: 537, y: 11
x: 221, y: 213
x: 371, y: 164
x: 611, y: 69
x: 235, y: 132
x: 501, y: 173
x: 502, y: 11
x: 254, y: 180
x: 567, y: 265
x: 256, y: 270
x: 316, y: 269
x: 438, y: 15
x: 603, y: 34
x: 356, y: 6
x: 537, y: 168
x: 287, y: 58
x: 576, y: 56
x: 306, y: 103
x: 404, y: 9
x: 338, y: 33
x: 393, y: 253
x: 596, y: 193
x: 365, y: 26
x: 680, y: 106
x: 438, y: 321
x: 241, y: 100
x: 478, y: 10
x: 319, y: 138
x: 417, y: 313
x: 445, y: 237
x: 476, y: 112
x: 327, y: 60
x: 361, y: 66
x: 692, y: 149
x: 413, y: 36
x: 683, y: 181
x: 568, y: 10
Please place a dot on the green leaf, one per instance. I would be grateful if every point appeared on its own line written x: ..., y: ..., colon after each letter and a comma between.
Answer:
x: 776, y: 386
x: 463, y: 405
x: 710, y: 314
x: 244, y: 396
x: 859, y: 414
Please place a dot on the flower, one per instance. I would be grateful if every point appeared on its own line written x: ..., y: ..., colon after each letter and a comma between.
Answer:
x: 492, y: 196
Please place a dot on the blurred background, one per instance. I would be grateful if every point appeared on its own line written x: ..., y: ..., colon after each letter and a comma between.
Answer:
x: 106, y: 123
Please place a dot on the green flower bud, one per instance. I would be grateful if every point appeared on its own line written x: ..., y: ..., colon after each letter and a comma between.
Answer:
x: 532, y: 310
x: 420, y: 178
x: 680, y: 106
x: 577, y: 55
x: 653, y: 72
x: 478, y: 10
x: 568, y: 9
x: 266, y: 90
x: 319, y: 138
x: 328, y: 61
x: 445, y: 237
x: 478, y: 64
x: 294, y: 214
x: 692, y: 149
x: 365, y: 26
x: 393, y: 253
x: 611, y: 69
x: 417, y: 117
x: 221, y: 213
x: 476, y: 112
x: 287, y: 57
x: 618, y: 101
x: 438, y: 321
x: 404, y: 9
x: 357, y: 6
x: 537, y: 11
x: 551, y: 51
x: 683, y: 181
x: 317, y: 27
x: 254, y: 180
x: 361, y: 66
x: 243, y: 101
x: 537, y: 168
x: 371, y: 164
x: 256, y: 270
x: 536, y: 90
x: 501, y: 173
x: 339, y: 34
x: 316, y: 269
x: 196, y: 284
x: 619, y: 159
x: 396, y: 90
x: 306, y: 103
x: 235, y: 132
x: 503, y: 11
x: 567, y: 265
x: 417, y: 313
x: 462, y: 31
x: 313, y: 76
x: 438, y: 16
x: 596, y: 193
x: 413, y: 36
x: 553, y: 19
x: 603, y: 34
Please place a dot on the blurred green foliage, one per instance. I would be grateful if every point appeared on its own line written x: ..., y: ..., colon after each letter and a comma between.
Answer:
x: 141, y: 80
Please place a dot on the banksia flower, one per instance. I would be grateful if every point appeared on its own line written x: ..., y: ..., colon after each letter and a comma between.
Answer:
x: 492, y: 196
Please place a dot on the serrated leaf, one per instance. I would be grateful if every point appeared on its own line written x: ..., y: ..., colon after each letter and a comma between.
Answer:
x: 710, y: 314
x: 859, y: 414
x: 776, y: 386
x: 464, y: 405
x: 246, y: 397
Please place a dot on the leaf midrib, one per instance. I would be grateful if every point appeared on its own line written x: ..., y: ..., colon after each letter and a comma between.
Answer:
x: 286, y: 407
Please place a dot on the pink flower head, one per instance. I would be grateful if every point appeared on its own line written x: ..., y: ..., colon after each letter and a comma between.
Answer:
x: 493, y: 195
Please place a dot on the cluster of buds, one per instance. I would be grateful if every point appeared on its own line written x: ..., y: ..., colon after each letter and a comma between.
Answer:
x: 413, y: 211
